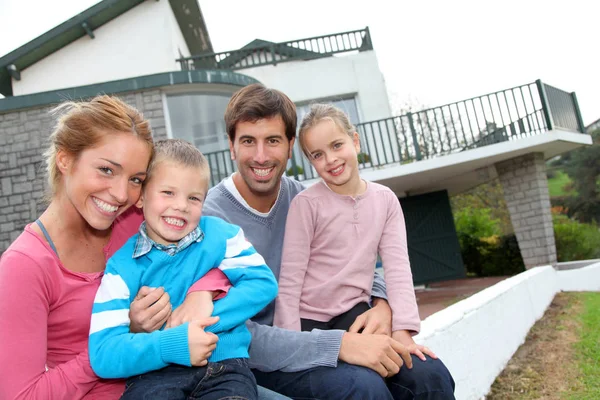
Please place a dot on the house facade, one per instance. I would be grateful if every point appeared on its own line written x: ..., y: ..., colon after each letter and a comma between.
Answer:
x: 140, y: 51
x: 158, y: 57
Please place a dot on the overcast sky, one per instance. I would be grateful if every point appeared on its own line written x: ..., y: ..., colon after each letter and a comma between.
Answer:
x: 430, y: 52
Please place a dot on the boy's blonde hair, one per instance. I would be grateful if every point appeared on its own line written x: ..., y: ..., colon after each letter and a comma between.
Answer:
x: 180, y: 152
x: 81, y: 125
x: 323, y: 112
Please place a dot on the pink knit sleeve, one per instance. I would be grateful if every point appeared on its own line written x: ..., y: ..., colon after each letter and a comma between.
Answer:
x: 393, y: 250
x: 214, y: 281
x: 299, y: 233
x: 24, y: 306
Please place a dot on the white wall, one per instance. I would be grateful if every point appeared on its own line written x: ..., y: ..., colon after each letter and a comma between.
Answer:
x: 330, y: 77
x: 580, y: 280
x: 477, y: 337
x: 143, y: 41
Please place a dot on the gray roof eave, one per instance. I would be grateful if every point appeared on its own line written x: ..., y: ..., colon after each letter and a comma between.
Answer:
x: 166, y: 79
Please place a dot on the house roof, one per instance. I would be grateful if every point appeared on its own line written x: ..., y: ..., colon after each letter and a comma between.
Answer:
x: 593, y: 126
x: 165, y: 79
x: 282, y: 49
x: 187, y: 13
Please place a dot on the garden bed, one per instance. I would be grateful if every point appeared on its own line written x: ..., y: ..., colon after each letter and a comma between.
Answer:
x: 559, y: 357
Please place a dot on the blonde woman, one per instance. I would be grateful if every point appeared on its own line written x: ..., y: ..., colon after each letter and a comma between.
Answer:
x: 96, y: 162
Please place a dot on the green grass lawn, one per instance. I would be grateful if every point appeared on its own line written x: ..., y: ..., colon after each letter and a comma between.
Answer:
x: 587, y: 349
x: 557, y: 184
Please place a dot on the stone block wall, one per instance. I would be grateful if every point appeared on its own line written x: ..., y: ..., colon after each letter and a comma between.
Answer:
x: 526, y: 193
x: 23, y: 139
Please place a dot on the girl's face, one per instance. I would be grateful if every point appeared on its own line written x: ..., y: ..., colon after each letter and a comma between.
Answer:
x: 105, y: 180
x: 333, y: 153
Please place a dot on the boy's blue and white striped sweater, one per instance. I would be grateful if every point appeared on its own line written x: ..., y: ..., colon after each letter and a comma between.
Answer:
x: 116, y: 353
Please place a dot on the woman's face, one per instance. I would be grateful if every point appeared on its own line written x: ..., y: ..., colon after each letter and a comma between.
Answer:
x: 105, y: 180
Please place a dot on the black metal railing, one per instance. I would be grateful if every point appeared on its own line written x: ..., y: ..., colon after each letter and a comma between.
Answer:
x: 267, y: 53
x: 563, y: 109
x: 505, y: 115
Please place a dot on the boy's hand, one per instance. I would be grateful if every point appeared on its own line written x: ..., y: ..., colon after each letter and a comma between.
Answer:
x: 149, y: 310
x: 197, y: 305
x: 201, y: 343
x: 377, y: 320
x: 418, y: 350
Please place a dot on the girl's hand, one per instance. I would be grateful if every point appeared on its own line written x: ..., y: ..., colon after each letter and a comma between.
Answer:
x: 418, y: 350
x: 377, y: 320
x: 196, y: 306
x: 149, y: 310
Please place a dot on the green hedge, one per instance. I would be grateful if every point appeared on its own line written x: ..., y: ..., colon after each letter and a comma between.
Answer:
x: 484, y: 251
x: 491, y: 256
x: 575, y: 240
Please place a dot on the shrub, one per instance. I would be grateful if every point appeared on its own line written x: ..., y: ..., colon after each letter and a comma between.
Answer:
x: 476, y: 222
x: 484, y: 251
x: 575, y: 240
x: 363, y: 158
x: 491, y: 256
x: 299, y: 171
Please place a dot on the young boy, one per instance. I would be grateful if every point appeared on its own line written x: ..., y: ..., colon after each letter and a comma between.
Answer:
x: 174, y: 248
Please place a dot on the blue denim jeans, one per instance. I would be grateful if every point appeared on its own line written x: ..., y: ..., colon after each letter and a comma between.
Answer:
x: 429, y: 380
x: 227, y: 379
x: 266, y: 394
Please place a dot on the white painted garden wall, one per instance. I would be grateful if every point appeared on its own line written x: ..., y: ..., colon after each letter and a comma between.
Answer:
x: 477, y: 337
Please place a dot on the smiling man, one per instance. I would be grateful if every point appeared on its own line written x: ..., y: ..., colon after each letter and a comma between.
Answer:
x: 261, y: 125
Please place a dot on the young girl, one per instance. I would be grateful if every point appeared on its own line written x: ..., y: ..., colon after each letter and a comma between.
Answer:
x: 334, y: 231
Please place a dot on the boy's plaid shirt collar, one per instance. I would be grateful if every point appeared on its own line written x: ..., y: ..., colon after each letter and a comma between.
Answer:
x: 144, y: 244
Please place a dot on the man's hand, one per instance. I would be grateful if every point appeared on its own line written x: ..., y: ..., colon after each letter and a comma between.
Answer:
x: 377, y: 320
x: 197, y: 305
x: 380, y: 353
x: 149, y: 310
x: 406, y: 339
x: 201, y: 343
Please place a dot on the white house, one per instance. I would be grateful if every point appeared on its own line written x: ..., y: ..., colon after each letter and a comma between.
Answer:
x: 158, y: 56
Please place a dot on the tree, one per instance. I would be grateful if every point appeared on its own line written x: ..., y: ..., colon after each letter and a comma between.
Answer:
x: 486, y: 196
x: 583, y: 166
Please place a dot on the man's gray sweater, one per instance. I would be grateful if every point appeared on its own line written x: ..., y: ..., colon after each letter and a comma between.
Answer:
x: 273, y: 348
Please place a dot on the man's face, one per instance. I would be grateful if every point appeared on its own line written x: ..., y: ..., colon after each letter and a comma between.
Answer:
x: 261, y: 151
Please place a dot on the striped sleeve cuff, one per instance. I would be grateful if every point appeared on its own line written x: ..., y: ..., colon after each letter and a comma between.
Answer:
x: 174, y: 347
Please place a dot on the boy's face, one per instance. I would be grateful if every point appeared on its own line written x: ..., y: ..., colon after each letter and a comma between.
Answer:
x: 172, y: 201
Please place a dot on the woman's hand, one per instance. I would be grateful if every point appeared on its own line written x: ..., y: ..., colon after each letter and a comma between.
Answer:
x: 406, y: 339
x: 197, y: 305
x: 149, y: 310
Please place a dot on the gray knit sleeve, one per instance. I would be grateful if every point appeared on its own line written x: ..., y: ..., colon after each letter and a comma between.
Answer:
x: 379, y: 289
x: 277, y: 349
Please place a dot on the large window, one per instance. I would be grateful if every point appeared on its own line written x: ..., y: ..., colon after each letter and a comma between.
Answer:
x: 348, y: 105
x: 198, y: 118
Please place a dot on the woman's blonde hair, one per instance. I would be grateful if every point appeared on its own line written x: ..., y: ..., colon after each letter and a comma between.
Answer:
x: 323, y: 112
x: 81, y: 125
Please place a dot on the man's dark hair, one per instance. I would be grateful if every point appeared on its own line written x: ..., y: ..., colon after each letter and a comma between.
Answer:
x: 255, y: 102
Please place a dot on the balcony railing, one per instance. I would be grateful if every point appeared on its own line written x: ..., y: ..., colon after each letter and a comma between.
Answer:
x: 267, y: 53
x: 506, y: 115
